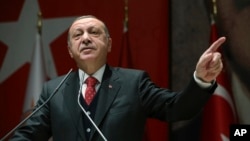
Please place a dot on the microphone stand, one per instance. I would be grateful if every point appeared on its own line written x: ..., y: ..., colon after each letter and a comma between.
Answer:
x: 92, y: 122
x: 86, y: 114
x: 37, y: 109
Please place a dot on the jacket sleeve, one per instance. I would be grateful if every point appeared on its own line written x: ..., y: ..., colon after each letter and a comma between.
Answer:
x: 167, y: 105
x: 37, y: 127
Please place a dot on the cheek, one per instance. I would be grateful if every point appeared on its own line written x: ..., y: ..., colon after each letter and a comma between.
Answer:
x: 73, y: 50
x: 75, y: 46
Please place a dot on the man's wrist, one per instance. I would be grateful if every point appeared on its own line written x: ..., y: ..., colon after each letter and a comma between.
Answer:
x: 201, y: 83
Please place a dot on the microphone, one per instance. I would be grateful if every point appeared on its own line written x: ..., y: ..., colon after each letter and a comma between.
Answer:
x: 37, y: 109
x: 90, y: 119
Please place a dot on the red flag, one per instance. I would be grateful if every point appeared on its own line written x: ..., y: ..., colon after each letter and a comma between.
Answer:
x: 125, y: 54
x: 37, y: 76
x: 155, y: 130
x: 219, y: 112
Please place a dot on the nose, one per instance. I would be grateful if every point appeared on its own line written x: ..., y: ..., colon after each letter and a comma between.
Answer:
x: 86, y: 38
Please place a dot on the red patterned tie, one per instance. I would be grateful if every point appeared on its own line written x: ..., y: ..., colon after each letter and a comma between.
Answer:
x: 90, y: 90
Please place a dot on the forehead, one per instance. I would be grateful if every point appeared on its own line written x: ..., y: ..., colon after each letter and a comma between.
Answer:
x: 86, y: 23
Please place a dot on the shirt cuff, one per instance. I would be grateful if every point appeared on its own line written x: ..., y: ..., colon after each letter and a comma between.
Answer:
x: 201, y: 83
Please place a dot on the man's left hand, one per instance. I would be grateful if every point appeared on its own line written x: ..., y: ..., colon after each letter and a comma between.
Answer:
x: 210, y: 64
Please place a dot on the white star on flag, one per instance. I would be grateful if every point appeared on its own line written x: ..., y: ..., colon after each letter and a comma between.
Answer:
x: 21, y: 39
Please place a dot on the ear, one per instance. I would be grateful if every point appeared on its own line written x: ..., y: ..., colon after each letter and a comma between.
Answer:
x: 109, y: 44
x: 70, y: 52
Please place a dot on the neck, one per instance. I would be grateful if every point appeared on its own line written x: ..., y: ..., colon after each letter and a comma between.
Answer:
x: 91, y: 69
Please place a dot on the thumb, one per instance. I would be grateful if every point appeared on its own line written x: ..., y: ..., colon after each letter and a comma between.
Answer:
x: 205, y: 60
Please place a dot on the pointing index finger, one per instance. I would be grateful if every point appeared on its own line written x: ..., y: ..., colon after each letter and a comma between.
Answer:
x: 216, y: 45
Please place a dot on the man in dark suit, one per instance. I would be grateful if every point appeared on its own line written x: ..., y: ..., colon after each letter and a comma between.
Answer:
x: 123, y: 98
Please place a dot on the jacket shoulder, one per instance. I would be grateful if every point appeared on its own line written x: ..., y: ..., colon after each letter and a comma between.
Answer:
x: 127, y: 71
x: 54, y: 82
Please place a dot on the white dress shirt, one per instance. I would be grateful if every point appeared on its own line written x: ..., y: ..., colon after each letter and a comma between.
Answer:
x: 83, y: 76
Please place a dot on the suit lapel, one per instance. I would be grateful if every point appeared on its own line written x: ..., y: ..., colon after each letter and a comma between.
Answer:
x: 107, y: 94
x: 71, y: 96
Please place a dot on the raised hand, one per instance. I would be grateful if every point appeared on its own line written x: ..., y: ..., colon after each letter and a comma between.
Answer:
x: 210, y: 64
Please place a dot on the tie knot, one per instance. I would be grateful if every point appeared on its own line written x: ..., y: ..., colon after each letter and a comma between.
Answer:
x: 91, y: 81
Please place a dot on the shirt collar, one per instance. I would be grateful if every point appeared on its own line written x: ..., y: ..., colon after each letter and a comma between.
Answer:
x: 98, y: 75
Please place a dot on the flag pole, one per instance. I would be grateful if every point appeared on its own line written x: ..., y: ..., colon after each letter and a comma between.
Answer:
x: 213, y: 17
x: 125, y: 54
x: 214, y: 7
x: 39, y: 22
x: 213, y: 11
x: 125, y: 22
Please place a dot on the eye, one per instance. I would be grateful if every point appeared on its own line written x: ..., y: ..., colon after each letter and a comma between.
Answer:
x: 77, y: 35
x: 94, y: 32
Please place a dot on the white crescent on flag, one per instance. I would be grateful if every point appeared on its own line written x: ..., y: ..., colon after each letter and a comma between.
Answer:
x: 224, y: 137
x: 221, y: 91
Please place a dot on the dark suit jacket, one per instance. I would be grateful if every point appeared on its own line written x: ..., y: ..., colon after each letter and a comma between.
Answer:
x: 126, y: 99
